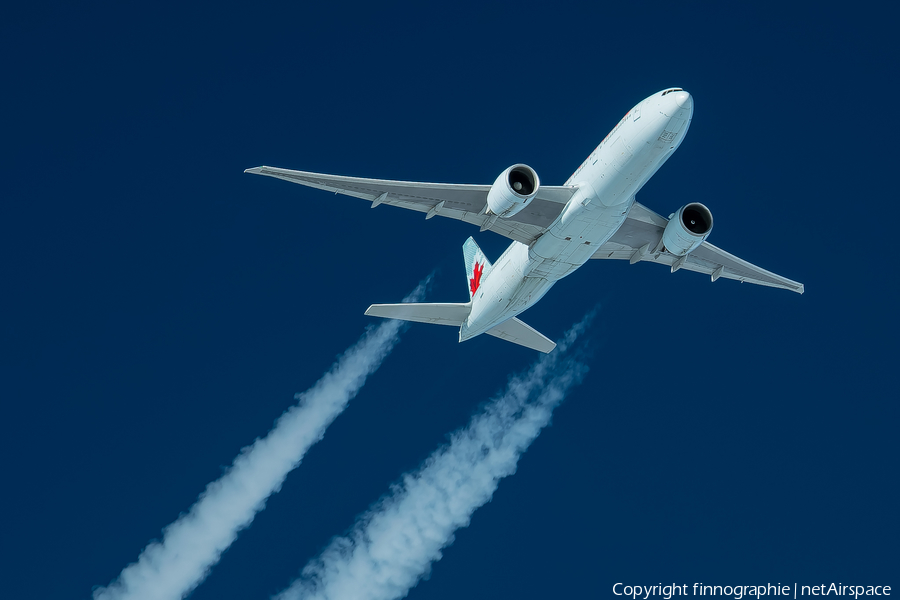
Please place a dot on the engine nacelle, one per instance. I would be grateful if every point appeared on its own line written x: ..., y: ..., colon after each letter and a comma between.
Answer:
x: 687, y: 229
x: 513, y: 190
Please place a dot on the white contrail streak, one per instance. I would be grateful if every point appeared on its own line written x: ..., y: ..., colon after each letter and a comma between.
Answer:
x: 172, y: 568
x: 394, y: 544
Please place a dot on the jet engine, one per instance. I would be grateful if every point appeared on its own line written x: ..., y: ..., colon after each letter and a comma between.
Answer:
x: 513, y: 190
x: 687, y: 229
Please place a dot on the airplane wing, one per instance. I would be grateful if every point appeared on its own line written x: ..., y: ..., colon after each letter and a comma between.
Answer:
x: 640, y: 238
x: 456, y: 201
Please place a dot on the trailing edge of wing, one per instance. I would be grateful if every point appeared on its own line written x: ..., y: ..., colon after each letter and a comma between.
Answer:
x: 455, y: 201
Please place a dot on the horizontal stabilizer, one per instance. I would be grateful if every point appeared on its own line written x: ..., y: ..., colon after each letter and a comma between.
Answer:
x: 442, y: 313
x: 517, y: 332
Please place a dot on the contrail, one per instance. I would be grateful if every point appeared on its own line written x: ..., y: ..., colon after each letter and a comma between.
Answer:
x: 393, y: 545
x: 172, y: 568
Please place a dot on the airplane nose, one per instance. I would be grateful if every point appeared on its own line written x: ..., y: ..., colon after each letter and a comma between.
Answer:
x: 683, y: 100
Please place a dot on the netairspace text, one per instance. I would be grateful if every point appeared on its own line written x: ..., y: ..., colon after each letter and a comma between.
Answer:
x: 741, y: 591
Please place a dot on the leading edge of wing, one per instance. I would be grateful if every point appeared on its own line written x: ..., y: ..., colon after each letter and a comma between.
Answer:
x: 366, y: 186
x: 465, y: 202
x: 557, y: 194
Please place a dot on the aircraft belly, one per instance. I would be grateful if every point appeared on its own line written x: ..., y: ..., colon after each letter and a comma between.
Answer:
x: 531, y: 290
x: 561, y: 250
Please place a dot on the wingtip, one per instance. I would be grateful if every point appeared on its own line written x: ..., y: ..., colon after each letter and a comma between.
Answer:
x: 254, y: 170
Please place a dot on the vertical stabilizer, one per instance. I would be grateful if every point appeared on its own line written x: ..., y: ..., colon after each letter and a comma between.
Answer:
x: 477, y: 266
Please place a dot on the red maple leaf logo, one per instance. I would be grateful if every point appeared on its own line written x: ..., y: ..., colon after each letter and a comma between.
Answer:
x: 476, y: 280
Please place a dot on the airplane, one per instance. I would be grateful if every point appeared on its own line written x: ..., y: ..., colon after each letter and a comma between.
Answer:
x: 557, y: 229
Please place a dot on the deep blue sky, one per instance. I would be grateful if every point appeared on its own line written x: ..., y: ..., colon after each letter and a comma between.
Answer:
x: 161, y: 307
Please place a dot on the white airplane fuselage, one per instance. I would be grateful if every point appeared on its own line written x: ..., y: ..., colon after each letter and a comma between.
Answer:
x: 607, y: 182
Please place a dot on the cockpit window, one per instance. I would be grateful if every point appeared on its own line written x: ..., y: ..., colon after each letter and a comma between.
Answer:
x: 672, y: 90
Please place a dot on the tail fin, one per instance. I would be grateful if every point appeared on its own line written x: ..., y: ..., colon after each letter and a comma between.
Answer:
x: 477, y: 265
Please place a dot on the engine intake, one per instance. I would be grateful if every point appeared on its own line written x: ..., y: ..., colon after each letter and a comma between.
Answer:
x: 687, y: 229
x: 513, y: 190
